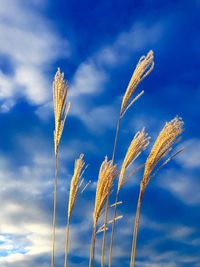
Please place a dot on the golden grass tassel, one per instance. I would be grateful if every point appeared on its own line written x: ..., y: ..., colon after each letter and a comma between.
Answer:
x: 164, y: 143
x: 143, y: 68
x: 75, y: 186
x: 61, y: 109
x: 107, y: 174
x: 137, y: 145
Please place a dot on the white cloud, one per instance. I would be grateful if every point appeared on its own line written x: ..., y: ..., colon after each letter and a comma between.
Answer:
x: 148, y: 253
x: 100, y: 119
x: 92, y: 76
x: 180, y: 232
x: 6, y: 106
x: 183, y: 185
x: 32, y: 84
x: 45, y: 111
x: 140, y: 37
x: 190, y: 158
x: 25, y: 188
x: 30, y: 47
x: 25, y: 191
x: 88, y: 79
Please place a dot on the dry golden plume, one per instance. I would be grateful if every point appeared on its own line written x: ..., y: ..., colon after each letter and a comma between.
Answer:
x: 164, y: 143
x: 75, y: 183
x: 143, y: 68
x: 61, y: 107
x: 107, y: 174
x: 162, y: 146
x: 138, y: 144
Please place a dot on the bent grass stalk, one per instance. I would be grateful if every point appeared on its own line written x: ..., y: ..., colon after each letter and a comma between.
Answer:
x: 143, y: 68
x: 107, y: 174
x: 138, y: 144
x: 75, y: 185
x: 164, y: 143
x: 107, y: 199
x: 61, y: 109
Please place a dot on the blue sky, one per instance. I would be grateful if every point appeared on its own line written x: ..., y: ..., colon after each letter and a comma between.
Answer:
x: 97, y: 45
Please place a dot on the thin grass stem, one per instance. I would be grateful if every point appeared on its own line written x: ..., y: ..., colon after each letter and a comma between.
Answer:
x: 67, y: 242
x: 113, y: 230
x: 116, y: 138
x: 92, y: 248
x: 54, y: 209
x: 104, y: 233
x: 107, y: 200
x: 135, y: 231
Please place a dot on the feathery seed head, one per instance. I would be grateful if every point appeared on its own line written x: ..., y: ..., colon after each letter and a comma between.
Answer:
x: 61, y: 107
x: 143, y: 68
x: 162, y: 146
x: 107, y: 174
x: 75, y: 181
x: 138, y: 144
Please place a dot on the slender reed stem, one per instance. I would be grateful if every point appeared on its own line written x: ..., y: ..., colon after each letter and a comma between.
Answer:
x: 67, y: 242
x: 113, y: 230
x: 135, y: 231
x: 92, y: 248
x: 104, y: 234
x: 107, y: 199
x: 116, y: 137
x: 54, y: 209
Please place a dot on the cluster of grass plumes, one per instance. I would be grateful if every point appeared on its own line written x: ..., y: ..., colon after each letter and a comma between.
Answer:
x: 144, y: 66
x: 108, y: 172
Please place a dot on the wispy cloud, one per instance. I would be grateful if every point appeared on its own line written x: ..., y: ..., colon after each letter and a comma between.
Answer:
x: 92, y: 76
x: 30, y: 48
x: 191, y: 156
x: 185, y: 185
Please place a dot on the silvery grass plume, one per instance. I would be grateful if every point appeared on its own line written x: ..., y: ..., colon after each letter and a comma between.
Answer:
x: 75, y: 187
x: 137, y: 145
x: 61, y: 109
x: 107, y: 174
x: 143, y: 69
x: 164, y: 143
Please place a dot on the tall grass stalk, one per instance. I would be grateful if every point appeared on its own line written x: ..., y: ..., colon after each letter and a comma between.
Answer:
x: 143, y: 68
x: 164, y: 143
x: 137, y: 145
x: 61, y: 109
x: 107, y: 199
x: 76, y: 183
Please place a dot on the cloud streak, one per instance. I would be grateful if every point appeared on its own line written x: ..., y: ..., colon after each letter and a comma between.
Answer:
x: 30, y: 48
